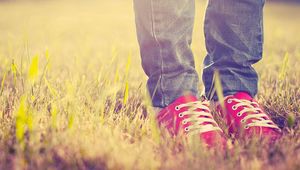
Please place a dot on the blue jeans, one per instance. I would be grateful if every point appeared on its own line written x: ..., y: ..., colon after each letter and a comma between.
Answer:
x: 234, y: 39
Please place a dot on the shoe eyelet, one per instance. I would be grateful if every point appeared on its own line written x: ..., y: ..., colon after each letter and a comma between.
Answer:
x: 229, y: 101
x: 177, y: 108
x: 186, y: 129
x: 180, y: 115
x: 246, y: 127
x: 239, y: 114
x: 234, y: 107
x: 243, y: 121
x: 184, y: 122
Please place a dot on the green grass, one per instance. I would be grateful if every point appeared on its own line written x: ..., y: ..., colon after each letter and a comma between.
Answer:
x: 73, y: 96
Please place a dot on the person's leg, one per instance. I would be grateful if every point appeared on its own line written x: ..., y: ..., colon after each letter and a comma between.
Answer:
x: 234, y: 40
x: 164, y: 30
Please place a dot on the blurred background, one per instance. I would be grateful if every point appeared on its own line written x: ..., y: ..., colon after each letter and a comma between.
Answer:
x: 83, y: 35
x: 90, y: 29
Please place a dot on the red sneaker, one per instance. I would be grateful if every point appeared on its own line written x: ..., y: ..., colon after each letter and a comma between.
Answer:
x: 246, y: 118
x: 188, y: 116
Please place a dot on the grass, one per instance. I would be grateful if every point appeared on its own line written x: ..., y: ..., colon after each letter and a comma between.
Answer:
x: 73, y: 96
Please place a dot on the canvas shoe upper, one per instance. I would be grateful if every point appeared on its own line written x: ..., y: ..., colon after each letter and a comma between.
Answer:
x: 245, y: 118
x: 189, y: 116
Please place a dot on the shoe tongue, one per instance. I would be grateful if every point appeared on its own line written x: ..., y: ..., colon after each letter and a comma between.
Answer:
x: 242, y: 95
x: 186, y: 99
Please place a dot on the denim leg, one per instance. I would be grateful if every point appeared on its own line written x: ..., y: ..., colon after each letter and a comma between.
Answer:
x: 234, y: 40
x: 164, y: 29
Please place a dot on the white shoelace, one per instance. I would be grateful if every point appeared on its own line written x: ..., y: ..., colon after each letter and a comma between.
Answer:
x: 259, y: 118
x: 196, y: 118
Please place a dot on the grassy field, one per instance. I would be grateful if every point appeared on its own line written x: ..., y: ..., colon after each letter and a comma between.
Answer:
x: 73, y: 96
